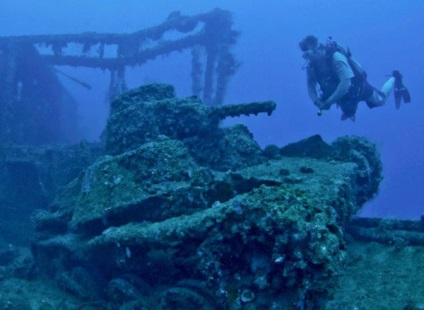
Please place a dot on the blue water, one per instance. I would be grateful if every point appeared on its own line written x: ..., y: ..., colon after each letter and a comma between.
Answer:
x: 383, y: 35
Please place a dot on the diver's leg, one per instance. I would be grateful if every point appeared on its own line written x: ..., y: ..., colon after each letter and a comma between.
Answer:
x: 378, y: 97
x: 388, y: 86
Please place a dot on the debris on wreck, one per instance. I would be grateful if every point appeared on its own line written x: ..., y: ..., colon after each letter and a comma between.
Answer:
x: 399, y: 233
x: 182, y: 213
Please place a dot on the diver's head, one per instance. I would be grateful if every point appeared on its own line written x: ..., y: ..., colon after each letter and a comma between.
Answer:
x: 308, y: 43
x: 308, y: 46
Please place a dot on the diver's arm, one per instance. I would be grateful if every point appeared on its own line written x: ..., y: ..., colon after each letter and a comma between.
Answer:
x: 344, y: 74
x: 312, y: 92
x: 312, y: 86
x: 341, y: 90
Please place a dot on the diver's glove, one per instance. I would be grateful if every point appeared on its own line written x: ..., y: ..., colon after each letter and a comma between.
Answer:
x: 401, y: 92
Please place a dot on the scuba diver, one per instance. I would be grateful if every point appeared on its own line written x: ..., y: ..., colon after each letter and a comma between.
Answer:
x: 334, y: 77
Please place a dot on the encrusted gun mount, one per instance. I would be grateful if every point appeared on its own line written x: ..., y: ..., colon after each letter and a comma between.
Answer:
x: 151, y: 112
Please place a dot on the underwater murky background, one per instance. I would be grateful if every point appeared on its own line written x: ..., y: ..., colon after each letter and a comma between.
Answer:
x: 382, y: 35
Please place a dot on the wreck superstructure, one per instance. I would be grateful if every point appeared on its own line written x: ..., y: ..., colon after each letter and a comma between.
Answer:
x: 36, y: 109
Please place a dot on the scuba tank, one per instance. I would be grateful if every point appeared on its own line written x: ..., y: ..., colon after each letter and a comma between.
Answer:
x: 332, y: 46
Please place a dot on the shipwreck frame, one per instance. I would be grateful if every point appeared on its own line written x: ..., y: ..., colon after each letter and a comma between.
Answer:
x: 25, y: 59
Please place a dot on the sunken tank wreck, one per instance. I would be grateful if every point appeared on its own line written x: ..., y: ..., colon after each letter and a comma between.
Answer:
x: 184, y: 214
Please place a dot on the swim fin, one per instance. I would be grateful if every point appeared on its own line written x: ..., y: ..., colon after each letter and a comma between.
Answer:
x: 401, y: 92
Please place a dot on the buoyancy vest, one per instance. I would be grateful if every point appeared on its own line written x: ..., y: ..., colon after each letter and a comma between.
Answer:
x: 322, y: 68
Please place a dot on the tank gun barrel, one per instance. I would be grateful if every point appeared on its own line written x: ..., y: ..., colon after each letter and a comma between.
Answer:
x: 232, y: 110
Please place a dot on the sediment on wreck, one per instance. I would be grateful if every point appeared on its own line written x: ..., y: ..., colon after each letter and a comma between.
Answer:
x: 184, y: 213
